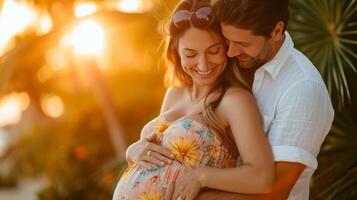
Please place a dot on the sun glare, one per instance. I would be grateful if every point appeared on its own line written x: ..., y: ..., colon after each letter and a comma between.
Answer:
x: 52, y: 106
x: 14, y: 18
x: 88, y: 38
x: 82, y: 9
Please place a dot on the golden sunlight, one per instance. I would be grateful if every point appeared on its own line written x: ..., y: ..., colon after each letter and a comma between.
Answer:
x: 132, y: 6
x: 11, y: 108
x: 14, y: 18
x: 82, y: 9
x: 88, y: 38
x: 52, y: 106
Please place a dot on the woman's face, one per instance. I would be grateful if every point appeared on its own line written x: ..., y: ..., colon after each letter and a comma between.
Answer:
x: 203, y: 55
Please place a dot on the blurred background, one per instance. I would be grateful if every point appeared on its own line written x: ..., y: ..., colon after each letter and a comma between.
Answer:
x: 66, y: 117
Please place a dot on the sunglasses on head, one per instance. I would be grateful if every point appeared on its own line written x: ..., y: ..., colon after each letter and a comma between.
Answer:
x: 185, y: 15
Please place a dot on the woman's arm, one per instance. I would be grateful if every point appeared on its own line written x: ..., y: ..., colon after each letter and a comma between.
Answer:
x: 239, y: 111
x: 256, y: 174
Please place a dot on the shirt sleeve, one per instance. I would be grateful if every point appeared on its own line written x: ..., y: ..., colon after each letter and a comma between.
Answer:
x: 302, y: 120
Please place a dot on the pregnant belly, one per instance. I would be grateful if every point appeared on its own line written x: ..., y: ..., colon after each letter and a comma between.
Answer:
x: 140, y: 183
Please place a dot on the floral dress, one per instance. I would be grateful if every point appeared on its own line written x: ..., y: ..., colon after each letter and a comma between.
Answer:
x: 192, y: 144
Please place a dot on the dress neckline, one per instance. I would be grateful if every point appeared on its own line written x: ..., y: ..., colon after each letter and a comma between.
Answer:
x: 189, y: 117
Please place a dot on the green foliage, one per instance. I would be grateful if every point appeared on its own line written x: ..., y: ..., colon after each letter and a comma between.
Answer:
x: 325, y: 30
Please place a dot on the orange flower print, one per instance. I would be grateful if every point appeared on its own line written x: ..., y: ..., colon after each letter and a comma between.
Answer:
x: 146, y: 196
x: 159, y: 129
x: 185, y: 150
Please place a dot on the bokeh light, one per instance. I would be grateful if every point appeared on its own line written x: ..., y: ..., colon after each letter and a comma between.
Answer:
x: 134, y: 6
x: 82, y: 9
x: 11, y: 108
x: 52, y: 106
x: 45, y: 24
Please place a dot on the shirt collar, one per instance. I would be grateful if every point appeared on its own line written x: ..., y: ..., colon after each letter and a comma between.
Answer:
x: 274, y: 66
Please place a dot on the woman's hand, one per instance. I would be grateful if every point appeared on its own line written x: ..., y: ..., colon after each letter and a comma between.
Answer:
x: 186, y: 187
x: 146, y: 154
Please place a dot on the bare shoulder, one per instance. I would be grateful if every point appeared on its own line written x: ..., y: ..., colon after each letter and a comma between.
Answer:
x: 172, y: 95
x: 236, y: 102
x: 236, y: 96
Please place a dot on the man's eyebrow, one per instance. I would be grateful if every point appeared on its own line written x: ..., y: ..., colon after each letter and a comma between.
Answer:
x: 240, y: 42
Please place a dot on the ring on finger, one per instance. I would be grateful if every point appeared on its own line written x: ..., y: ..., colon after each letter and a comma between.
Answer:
x: 149, y: 153
x: 180, y: 198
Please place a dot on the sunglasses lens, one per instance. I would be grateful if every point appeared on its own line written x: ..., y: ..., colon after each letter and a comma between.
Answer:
x: 203, y: 13
x: 181, y: 16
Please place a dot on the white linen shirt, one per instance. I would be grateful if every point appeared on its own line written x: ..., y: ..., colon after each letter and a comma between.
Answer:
x: 296, y: 110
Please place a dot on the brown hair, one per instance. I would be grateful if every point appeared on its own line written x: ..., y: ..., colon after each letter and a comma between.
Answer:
x: 260, y: 16
x: 175, y: 76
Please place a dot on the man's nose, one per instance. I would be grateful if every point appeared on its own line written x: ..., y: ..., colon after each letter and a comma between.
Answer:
x: 233, y: 51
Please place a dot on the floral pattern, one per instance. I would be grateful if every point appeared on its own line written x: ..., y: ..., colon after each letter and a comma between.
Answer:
x: 192, y: 144
x: 185, y: 150
x: 150, y: 196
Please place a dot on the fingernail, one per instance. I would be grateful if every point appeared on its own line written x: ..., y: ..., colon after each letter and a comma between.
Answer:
x: 172, y: 155
x: 162, y: 163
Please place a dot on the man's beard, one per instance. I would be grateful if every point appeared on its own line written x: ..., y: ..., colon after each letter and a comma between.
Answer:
x: 258, y: 61
x: 251, y: 63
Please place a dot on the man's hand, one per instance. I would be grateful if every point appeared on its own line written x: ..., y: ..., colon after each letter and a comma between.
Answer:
x: 287, y: 174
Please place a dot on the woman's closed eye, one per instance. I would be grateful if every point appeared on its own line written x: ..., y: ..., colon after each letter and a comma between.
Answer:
x: 213, y: 51
x: 190, y: 54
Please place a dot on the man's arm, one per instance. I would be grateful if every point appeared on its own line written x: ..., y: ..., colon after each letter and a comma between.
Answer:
x: 287, y: 173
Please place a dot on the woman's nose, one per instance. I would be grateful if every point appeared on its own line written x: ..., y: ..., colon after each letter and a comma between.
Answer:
x: 202, y: 63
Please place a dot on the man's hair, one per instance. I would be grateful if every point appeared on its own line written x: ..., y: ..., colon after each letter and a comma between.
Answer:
x: 260, y: 16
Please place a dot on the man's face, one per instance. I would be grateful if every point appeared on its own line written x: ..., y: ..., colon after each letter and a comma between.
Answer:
x: 250, y: 50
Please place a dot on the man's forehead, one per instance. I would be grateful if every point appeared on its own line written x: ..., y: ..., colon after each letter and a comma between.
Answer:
x: 232, y: 31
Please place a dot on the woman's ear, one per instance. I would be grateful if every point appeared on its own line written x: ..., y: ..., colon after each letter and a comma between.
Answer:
x: 278, y: 31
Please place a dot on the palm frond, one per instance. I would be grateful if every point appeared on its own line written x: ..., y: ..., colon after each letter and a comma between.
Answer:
x: 325, y: 30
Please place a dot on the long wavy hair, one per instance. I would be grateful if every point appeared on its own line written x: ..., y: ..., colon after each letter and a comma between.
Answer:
x: 175, y: 76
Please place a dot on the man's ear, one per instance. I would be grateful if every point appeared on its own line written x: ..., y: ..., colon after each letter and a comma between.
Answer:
x: 278, y: 31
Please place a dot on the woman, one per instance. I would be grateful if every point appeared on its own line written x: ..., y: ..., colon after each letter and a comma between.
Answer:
x: 208, y: 117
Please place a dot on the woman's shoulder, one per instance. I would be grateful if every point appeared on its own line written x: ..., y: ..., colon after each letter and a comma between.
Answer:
x: 173, y: 94
x: 175, y: 90
x: 236, y: 95
x: 236, y: 100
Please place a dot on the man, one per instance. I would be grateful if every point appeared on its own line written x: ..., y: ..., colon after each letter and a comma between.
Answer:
x: 290, y: 92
